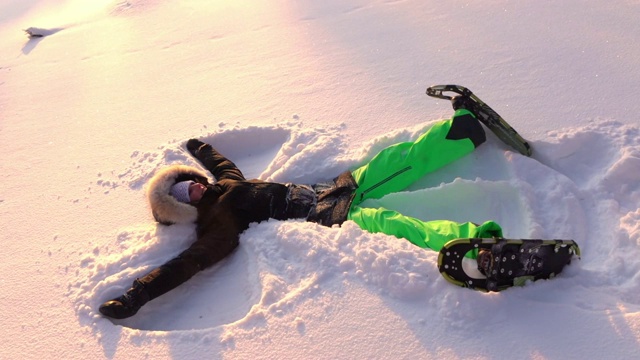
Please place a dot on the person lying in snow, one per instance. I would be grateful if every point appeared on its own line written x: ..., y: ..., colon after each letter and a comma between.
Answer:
x: 223, y: 209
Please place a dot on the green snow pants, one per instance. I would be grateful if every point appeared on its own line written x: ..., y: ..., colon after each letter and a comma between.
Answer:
x: 398, y: 166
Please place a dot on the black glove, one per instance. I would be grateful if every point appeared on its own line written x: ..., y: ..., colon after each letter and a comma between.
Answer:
x: 193, y: 145
x: 128, y: 304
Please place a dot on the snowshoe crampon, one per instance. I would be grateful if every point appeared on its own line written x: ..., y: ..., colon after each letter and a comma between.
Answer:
x: 505, y: 262
x: 485, y: 114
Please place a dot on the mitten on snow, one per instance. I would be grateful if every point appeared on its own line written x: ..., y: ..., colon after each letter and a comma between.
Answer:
x: 193, y: 145
x: 128, y: 304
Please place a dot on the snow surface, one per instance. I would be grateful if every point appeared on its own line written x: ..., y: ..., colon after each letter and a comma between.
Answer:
x: 298, y: 92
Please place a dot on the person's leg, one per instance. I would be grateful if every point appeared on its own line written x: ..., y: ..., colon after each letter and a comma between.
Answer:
x: 425, y: 234
x: 398, y: 166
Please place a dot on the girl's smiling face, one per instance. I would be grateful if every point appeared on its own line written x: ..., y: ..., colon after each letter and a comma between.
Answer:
x: 196, y: 190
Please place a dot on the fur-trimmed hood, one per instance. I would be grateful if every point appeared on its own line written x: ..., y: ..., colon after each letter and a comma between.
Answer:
x: 164, y: 207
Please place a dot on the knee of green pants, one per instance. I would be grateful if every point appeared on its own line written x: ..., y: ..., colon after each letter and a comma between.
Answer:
x: 398, y: 166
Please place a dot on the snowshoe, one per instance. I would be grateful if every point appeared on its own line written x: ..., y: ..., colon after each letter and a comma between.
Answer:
x: 484, y: 113
x: 505, y: 262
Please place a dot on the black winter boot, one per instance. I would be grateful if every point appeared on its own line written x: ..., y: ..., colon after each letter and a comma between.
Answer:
x: 485, y: 261
x: 462, y: 102
x: 128, y: 304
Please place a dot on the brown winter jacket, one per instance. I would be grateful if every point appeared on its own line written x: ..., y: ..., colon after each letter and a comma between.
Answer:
x: 227, y: 208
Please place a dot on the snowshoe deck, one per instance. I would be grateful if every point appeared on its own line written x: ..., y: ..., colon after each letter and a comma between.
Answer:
x: 486, y: 115
x: 512, y: 262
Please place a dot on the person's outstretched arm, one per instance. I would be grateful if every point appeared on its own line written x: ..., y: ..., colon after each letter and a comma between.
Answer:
x: 205, y: 252
x: 219, y: 166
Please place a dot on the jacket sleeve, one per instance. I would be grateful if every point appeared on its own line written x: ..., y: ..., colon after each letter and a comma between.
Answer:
x: 203, y: 253
x: 216, y: 163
